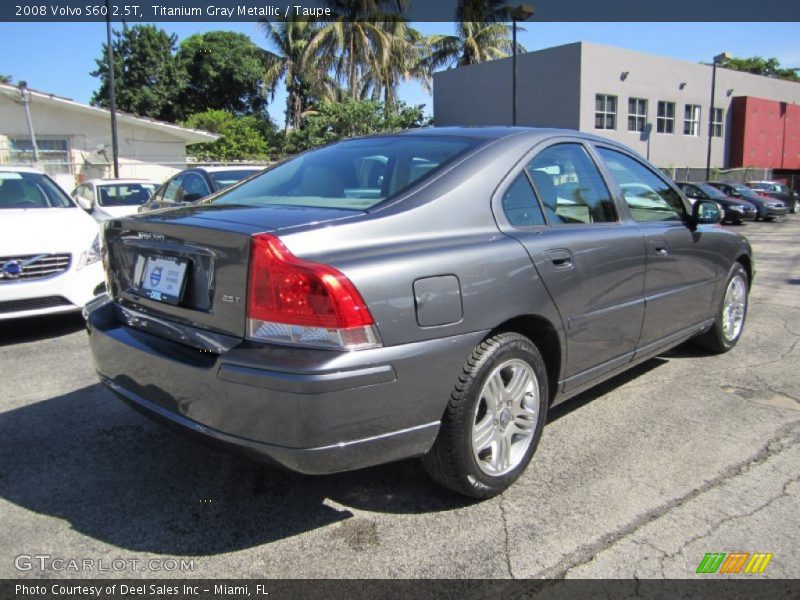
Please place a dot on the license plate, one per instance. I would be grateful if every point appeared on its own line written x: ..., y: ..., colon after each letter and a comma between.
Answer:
x: 162, y: 278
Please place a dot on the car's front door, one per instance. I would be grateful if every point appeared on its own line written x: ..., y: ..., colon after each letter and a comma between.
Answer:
x: 591, y: 263
x: 681, y: 260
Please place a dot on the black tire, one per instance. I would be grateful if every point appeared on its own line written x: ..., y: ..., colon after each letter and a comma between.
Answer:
x: 715, y: 339
x: 795, y: 207
x: 451, y: 461
x: 770, y: 219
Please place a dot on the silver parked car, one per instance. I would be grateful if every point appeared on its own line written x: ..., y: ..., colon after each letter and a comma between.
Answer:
x: 431, y: 293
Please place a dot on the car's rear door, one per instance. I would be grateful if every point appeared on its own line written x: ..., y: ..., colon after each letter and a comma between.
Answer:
x: 591, y: 262
x: 682, y: 263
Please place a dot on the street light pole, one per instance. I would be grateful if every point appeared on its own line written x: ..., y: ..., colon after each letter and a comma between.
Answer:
x: 719, y: 58
x: 518, y: 13
x: 25, y: 99
x: 112, y: 92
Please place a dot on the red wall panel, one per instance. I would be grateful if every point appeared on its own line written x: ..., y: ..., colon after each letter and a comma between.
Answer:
x: 764, y: 133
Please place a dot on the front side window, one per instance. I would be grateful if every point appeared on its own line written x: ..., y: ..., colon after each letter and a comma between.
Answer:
x: 605, y: 112
x: 717, y: 116
x: 637, y: 114
x: 648, y: 196
x: 665, y: 119
x: 354, y: 174
x: 31, y: 190
x: 173, y: 189
x: 570, y: 187
x: 195, y: 187
x: 691, y: 120
x: 520, y: 205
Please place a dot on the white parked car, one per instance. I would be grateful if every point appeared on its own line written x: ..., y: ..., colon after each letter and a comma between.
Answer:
x: 49, y: 248
x: 113, y: 198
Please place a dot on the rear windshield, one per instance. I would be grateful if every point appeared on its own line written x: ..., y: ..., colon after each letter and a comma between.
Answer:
x: 355, y: 174
x: 224, y: 179
x: 31, y: 190
x: 128, y: 194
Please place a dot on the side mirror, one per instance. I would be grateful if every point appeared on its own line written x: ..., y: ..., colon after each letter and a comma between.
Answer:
x: 192, y: 197
x: 83, y: 203
x: 705, y: 212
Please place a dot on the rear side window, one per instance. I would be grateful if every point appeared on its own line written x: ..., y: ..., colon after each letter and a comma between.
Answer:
x: 570, y: 186
x: 355, y: 174
x: 648, y: 196
x: 520, y: 205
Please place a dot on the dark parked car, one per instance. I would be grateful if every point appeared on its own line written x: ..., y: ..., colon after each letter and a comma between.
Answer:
x: 430, y: 293
x: 778, y: 191
x: 768, y: 208
x: 195, y: 184
x: 735, y: 210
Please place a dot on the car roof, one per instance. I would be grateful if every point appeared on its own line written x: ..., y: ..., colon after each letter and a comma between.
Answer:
x: 228, y: 168
x: 498, y: 132
x: 118, y: 181
x: 20, y: 170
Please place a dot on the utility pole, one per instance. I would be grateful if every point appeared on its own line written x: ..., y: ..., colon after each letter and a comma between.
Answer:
x: 25, y: 99
x: 112, y: 92
x: 518, y: 13
x: 719, y: 58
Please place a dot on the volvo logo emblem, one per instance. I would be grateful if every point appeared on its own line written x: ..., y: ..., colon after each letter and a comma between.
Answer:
x: 155, y: 276
x: 11, y: 270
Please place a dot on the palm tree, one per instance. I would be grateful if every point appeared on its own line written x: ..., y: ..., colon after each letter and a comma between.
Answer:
x: 482, y: 34
x: 362, y: 37
x: 407, y: 46
x: 304, y: 73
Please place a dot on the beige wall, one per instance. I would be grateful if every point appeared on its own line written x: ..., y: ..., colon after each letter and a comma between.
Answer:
x: 557, y: 87
x: 657, y: 78
x: 144, y: 152
x: 481, y: 94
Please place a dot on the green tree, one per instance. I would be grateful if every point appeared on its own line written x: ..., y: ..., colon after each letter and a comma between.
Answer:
x: 5, y: 78
x: 333, y: 121
x: 303, y: 73
x: 148, y: 79
x: 361, y: 38
x: 769, y: 67
x: 242, y: 137
x: 224, y: 70
x: 482, y: 34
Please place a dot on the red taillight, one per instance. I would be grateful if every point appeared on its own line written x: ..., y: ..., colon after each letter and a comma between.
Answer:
x: 300, y: 302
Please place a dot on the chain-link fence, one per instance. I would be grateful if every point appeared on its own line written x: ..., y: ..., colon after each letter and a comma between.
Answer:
x: 740, y: 175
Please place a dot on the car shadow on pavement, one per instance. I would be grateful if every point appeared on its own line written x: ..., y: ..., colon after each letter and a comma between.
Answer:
x: 601, y: 389
x: 17, y: 331
x: 113, y: 475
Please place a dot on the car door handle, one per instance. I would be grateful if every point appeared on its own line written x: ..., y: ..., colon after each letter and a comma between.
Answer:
x: 561, y: 259
x: 660, y: 250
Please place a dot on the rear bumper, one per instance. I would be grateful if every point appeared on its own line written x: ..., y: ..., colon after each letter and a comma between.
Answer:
x: 312, y: 411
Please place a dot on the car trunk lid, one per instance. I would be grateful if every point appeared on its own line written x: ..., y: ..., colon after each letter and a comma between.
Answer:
x: 189, y: 266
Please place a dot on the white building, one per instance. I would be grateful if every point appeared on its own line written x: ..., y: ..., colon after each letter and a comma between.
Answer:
x: 74, y: 139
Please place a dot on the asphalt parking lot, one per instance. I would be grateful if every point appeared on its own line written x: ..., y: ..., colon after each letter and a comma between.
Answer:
x: 684, y: 455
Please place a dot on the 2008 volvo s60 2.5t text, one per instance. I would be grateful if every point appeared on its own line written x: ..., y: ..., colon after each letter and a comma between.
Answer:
x: 429, y: 293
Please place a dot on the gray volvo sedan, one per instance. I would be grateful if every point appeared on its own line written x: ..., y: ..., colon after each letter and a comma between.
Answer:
x: 430, y: 293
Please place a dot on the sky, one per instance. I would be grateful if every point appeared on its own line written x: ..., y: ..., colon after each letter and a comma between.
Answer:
x: 58, y: 57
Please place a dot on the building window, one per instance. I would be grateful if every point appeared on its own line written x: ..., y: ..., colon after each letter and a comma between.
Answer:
x: 637, y: 114
x: 605, y: 112
x: 716, y: 122
x: 665, y: 119
x: 53, y: 153
x: 691, y: 120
